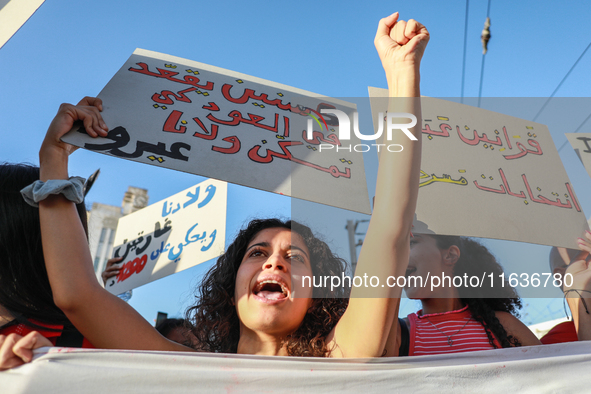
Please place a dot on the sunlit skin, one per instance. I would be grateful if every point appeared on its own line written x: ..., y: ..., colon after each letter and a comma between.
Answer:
x: 427, y: 260
x: 267, y: 315
x: 269, y: 312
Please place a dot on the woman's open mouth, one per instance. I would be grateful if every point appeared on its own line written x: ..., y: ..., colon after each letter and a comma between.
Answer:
x: 271, y: 289
x: 410, y: 270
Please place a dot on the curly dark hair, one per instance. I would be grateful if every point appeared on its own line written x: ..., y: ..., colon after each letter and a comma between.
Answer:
x: 475, y: 259
x: 24, y: 285
x: 215, y: 320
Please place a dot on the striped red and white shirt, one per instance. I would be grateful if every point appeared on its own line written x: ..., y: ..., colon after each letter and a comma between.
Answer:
x: 433, y: 333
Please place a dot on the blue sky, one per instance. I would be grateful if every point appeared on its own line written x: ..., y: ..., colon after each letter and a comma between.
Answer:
x: 69, y: 49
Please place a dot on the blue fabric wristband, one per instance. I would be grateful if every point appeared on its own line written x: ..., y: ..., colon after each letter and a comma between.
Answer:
x: 72, y: 189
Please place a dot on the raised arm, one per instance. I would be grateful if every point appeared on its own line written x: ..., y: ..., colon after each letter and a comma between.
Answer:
x: 364, y: 327
x: 104, y: 319
x: 578, y: 294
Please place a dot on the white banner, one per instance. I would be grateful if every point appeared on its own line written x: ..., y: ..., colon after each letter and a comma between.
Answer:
x: 560, y: 368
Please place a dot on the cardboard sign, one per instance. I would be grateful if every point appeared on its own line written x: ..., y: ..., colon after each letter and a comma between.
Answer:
x: 581, y: 143
x: 13, y: 15
x: 188, y: 116
x: 169, y: 236
x: 485, y: 174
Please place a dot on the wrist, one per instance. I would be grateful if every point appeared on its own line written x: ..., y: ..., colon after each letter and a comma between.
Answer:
x: 53, y: 163
x: 404, y: 82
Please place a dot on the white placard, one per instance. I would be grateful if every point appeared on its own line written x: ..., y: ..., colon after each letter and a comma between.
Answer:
x: 171, y: 235
x: 490, y: 175
x: 192, y: 117
x: 581, y: 143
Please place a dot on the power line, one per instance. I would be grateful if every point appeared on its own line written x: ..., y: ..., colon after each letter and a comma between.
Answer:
x: 561, y: 82
x: 465, y: 44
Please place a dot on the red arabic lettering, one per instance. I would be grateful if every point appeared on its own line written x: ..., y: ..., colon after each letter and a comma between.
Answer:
x: 170, y: 75
x: 524, y: 151
x: 573, y: 197
x: 233, y: 149
x: 250, y: 94
x: 211, y: 106
x: 444, y: 127
x: 254, y: 155
x: 507, y: 137
x: 172, y: 121
x: 209, y: 135
x: 318, y: 136
x: 476, y: 140
x: 164, y: 96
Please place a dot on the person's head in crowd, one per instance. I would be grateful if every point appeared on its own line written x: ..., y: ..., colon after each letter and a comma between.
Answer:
x: 454, y: 256
x: 559, y: 260
x: 177, y: 330
x: 228, y: 306
x: 25, y: 292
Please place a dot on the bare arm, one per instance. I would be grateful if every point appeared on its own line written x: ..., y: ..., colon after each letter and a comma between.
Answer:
x: 386, y: 247
x: 579, y: 301
x: 517, y: 329
x: 104, y: 319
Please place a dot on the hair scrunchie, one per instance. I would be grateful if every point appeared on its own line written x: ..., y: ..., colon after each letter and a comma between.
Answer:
x: 72, y: 189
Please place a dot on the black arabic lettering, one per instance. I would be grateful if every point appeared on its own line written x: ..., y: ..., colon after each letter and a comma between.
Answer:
x: 121, y: 138
x: 128, y: 247
x: 158, y: 232
x: 586, y: 142
x: 140, y: 250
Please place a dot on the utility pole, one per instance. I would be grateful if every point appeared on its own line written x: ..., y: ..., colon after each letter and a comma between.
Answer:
x: 351, y: 228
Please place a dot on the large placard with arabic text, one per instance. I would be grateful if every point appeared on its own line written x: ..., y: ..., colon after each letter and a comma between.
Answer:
x: 169, y: 236
x: 188, y: 116
x: 581, y: 143
x: 490, y: 175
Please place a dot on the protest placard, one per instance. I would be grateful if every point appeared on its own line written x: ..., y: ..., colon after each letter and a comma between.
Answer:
x: 171, y: 235
x: 490, y: 175
x: 581, y: 143
x: 192, y: 117
x: 13, y: 15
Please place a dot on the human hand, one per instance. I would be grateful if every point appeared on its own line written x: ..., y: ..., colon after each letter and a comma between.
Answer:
x: 87, y: 111
x: 579, y: 268
x: 16, y: 350
x: 400, y: 44
x: 111, y: 269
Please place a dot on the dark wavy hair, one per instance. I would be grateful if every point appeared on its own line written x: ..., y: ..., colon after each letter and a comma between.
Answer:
x: 216, y: 323
x: 475, y: 259
x: 24, y: 286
